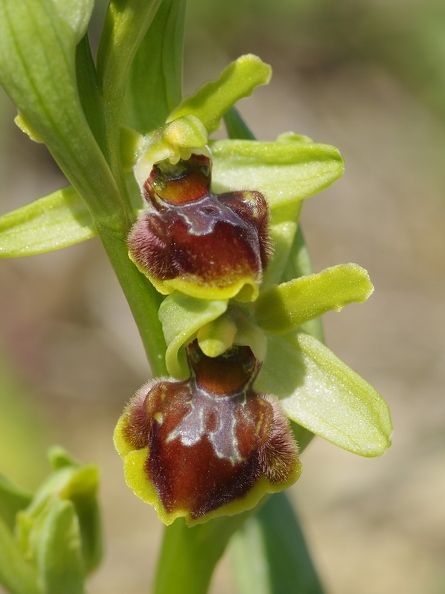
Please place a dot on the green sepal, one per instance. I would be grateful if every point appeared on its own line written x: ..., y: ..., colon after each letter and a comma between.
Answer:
x: 215, y: 98
x: 286, y: 170
x: 12, y: 500
x: 269, y: 552
x: 324, y: 395
x: 16, y: 574
x: 58, y: 553
x: 181, y: 317
x: 67, y: 500
x: 50, y: 223
x: 286, y: 306
x: 282, y: 230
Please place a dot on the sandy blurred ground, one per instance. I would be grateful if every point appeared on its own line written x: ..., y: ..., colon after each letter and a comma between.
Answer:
x: 71, y: 356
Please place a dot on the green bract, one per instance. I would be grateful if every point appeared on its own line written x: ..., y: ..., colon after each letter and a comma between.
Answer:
x: 51, y: 541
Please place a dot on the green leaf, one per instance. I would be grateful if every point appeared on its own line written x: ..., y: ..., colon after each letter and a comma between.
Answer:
x: 214, y: 99
x: 59, y: 557
x: 181, y: 317
x: 16, y: 575
x: 155, y: 80
x: 270, y: 555
x: 12, y: 500
x: 38, y: 71
x: 286, y: 306
x: 285, y: 170
x: 321, y: 393
x: 89, y: 94
x: 124, y: 29
x: 236, y: 127
x: 76, y: 13
x: 49, y: 223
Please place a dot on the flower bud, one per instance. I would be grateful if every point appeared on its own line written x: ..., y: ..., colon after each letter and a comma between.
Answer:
x: 209, y: 445
x: 189, y: 239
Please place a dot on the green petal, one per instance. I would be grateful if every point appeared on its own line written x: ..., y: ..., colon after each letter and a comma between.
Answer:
x: 181, y: 317
x: 47, y: 224
x: 321, y: 393
x: 215, y: 98
x: 286, y: 306
x: 285, y: 171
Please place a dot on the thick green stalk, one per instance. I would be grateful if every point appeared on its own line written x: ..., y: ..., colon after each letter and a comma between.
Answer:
x: 142, y: 298
x: 189, y: 555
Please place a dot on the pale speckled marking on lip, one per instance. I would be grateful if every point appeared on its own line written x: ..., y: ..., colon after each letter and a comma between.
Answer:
x: 193, y: 427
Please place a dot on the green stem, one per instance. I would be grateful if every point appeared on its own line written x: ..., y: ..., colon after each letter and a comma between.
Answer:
x: 189, y: 555
x: 142, y: 298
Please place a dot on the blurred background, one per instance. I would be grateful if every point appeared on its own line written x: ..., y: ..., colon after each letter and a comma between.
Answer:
x: 368, y: 77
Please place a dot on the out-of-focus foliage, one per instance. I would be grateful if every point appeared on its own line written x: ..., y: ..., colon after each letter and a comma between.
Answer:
x: 315, y: 36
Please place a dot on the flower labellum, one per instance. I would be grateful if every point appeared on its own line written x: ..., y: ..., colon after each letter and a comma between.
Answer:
x: 210, y: 246
x: 209, y: 445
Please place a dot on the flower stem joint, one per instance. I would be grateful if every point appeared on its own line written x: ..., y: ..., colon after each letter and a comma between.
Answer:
x: 208, y: 445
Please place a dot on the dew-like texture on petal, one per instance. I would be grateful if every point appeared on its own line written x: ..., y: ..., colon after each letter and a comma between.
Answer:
x: 209, y: 445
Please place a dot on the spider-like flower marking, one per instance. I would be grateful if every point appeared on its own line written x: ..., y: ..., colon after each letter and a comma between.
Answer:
x: 189, y: 239
x: 209, y: 445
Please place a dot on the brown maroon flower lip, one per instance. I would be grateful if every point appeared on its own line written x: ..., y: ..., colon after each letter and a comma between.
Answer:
x: 195, y: 236
x: 206, y: 447
x: 179, y: 183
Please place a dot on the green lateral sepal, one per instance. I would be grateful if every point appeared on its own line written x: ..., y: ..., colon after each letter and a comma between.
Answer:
x: 321, y: 393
